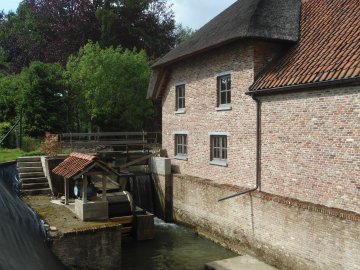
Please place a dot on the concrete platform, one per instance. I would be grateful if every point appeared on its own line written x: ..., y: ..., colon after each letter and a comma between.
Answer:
x: 245, y: 262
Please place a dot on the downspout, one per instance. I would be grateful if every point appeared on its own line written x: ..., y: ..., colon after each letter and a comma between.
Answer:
x: 258, y: 151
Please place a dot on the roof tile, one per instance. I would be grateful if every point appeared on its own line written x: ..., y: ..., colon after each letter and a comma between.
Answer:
x: 328, y: 48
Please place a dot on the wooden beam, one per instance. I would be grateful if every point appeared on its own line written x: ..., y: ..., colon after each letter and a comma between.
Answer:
x: 124, y: 166
x: 123, y: 220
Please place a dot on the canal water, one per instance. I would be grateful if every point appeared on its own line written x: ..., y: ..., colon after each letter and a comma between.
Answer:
x: 174, y: 248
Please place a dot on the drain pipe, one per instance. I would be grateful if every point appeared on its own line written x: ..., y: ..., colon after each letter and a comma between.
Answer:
x: 258, y: 151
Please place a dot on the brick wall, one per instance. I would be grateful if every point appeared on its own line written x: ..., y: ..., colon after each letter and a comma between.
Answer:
x: 201, y: 117
x: 311, y: 146
x: 310, y: 140
x: 286, y: 233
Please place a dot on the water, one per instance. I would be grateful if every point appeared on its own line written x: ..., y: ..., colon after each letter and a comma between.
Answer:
x: 22, y: 241
x: 140, y: 187
x: 174, y: 248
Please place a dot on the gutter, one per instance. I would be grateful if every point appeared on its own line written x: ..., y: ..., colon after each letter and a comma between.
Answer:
x: 302, y: 87
x: 258, y: 152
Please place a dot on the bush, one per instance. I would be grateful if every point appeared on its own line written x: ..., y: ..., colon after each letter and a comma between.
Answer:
x: 30, y: 144
x: 51, y: 146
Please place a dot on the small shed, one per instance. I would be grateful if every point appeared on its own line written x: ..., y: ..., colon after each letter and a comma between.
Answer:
x: 80, y: 166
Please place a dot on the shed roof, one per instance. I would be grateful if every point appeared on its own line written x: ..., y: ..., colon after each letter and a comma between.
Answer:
x: 328, y: 49
x: 77, y: 163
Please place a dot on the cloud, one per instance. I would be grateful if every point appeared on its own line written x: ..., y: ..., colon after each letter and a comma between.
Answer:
x: 196, y: 13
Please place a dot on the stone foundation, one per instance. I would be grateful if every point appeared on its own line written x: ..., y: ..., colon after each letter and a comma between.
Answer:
x: 286, y: 233
x: 91, y: 249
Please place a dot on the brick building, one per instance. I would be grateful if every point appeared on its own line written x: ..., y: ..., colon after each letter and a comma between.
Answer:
x: 266, y: 98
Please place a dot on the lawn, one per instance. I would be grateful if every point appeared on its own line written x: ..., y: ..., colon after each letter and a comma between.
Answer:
x: 13, y: 154
x: 10, y: 154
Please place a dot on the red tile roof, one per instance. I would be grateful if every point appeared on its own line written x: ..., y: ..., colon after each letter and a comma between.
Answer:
x: 74, y: 164
x: 328, y: 49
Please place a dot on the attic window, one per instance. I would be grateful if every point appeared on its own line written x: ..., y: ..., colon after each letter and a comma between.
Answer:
x: 224, y: 91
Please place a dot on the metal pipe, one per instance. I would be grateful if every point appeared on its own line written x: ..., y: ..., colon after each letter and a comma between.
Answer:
x: 258, y: 152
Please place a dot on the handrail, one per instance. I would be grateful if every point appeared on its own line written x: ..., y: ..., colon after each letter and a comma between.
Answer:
x: 7, y: 134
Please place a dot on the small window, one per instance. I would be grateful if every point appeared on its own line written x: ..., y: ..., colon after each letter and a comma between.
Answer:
x: 224, y: 90
x: 181, y: 145
x: 180, y: 97
x: 218, y: 149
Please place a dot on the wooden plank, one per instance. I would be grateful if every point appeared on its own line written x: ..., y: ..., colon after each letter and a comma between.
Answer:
x: 103, y: 134
x: 138, y: 160
x: 105, y: 142
x: 126, y: 229
x: 123, y: 220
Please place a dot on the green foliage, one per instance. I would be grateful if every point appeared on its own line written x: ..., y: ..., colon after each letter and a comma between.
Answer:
x: 30, y: 144
x: 44, y: 99
x: 4, y: 129
x: 10, y: 94
x: 182, y: 33
x: 111, y: 85
x: 21, y: 40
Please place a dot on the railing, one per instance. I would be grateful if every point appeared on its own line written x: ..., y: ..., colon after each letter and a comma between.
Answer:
x: 117, y: 141
x: 7, y: 134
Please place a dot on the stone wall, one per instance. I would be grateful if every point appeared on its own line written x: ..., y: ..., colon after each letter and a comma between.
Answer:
x: 92, y: 249
x: 283, y: 232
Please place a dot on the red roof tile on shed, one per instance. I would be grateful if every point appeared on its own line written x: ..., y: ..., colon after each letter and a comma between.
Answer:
x: 74, y: 164
x: 328, y: 49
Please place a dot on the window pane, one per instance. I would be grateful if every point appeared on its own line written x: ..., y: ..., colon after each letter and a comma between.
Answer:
x: 223, y: 98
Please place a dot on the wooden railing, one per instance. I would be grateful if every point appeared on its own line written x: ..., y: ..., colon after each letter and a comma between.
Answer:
x: 121, y: 141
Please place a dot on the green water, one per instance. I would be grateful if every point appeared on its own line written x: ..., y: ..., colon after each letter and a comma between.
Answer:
x: 174, y: 248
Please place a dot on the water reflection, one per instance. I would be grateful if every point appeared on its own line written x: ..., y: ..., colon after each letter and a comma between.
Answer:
x: 174, y: 248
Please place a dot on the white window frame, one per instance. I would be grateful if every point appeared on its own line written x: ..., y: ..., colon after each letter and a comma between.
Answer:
x: 223, y: 106
x: 180, y: 108
x: 220, y: 159
x: 183, y: 153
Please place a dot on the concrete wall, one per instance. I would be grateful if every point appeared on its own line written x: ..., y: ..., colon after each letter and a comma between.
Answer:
x: 283, y: 232
x: 100, y: 249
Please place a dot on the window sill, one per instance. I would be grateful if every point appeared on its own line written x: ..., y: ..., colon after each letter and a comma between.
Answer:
x: 180, y: 111
x: 181, y: 157
x: 222, y: 163
x: 225, y: 107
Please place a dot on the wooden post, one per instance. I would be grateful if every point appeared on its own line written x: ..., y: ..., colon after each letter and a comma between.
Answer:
x: 66, y: 191
x: 84, y: 191
x: 104, y: 188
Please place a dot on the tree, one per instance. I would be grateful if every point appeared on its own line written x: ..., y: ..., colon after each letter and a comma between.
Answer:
x: 44, y: 99
x: 182, y: 33
x: 20, y: 39
x: 111, y: 85
x: 66, y: 25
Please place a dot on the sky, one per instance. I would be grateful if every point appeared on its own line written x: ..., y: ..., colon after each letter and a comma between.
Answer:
x: 193, y: 14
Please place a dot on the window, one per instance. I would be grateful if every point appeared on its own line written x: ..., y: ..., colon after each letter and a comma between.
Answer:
x: 180, y: 97
x: 180, y: 146
x: 218, y: 150
x: 224, y: 90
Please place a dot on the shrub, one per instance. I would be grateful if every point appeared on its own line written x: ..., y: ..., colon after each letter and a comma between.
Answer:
x: 30, y: 144
x: 51, y: 146
x: 4, y: 129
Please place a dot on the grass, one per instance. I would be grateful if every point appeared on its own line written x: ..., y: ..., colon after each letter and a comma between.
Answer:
x: 10, y: 154
x: 13, y: 154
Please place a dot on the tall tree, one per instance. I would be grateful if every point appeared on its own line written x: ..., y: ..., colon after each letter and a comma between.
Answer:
x: 111, y: 84
x: 44, y: 99
x: 20, y: 39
